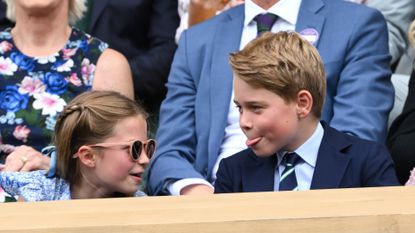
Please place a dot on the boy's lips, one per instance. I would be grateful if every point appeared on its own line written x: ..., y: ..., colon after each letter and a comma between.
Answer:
x: 252, y: 142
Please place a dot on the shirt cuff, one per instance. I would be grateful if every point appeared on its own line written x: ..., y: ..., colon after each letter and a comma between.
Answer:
x: 176, y: 187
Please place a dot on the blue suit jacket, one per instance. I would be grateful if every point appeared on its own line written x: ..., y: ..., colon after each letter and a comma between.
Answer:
x: 343, y: 161
x: 353, y: 46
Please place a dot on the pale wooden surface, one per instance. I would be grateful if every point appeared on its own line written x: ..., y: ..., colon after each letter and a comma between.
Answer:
x: 348, y: 210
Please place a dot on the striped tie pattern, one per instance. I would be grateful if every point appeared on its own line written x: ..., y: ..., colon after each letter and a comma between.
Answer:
x: 264, y: 22
x: 288, y: 181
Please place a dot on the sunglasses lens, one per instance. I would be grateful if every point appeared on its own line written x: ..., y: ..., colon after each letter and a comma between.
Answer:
x: 151, y: 147
x: 136, y: 150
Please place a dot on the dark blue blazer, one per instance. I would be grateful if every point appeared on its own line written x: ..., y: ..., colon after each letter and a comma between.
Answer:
x: 343, y: 161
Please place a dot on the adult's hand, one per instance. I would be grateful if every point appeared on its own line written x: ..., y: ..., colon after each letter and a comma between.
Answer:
x: 25, y: 158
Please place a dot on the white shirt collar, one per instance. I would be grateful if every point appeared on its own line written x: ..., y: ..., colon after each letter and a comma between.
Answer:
x: 308, y: 151
x: 285, y: 9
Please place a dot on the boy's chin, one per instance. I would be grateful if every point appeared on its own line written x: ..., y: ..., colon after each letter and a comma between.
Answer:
x: 263, y: 154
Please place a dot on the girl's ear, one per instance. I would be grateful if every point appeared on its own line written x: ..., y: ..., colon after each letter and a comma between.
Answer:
x: 87, y: 156
x: 304, y: 103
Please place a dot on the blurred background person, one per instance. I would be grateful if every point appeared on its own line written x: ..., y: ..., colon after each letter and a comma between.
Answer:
x: 401, y: 135
x: 196, y: 11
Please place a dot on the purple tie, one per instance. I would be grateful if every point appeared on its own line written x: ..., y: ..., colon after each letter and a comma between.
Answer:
x: 264, y: 22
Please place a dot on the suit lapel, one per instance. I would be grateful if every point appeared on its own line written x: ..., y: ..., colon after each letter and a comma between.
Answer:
x: 97, y: 9
x: 258, y: 174
x: 331, y: 162
x: 308, y: 17
x: 227, y: 40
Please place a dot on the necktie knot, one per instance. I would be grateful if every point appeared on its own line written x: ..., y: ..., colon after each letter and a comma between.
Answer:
x: 265, y: 22
x: 291, y: 159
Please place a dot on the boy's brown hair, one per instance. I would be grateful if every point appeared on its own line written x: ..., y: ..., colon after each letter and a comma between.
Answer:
x: 283, y: 63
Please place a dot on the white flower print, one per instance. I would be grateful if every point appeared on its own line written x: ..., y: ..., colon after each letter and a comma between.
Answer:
x: 2, y: 195
x: 7, y: 67
x: 45, y: 60
x: 49, y: 103
x: 65, y: 66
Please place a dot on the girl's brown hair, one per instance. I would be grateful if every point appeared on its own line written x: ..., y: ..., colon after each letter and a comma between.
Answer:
x: 88, y: 119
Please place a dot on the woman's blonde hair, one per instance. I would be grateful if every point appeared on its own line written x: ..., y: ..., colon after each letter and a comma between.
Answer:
x: 411, y: 33
x: 88, y: 119
x: 76, y: 10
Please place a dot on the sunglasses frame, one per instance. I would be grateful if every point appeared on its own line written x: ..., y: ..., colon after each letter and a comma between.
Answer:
x: 130, y: 144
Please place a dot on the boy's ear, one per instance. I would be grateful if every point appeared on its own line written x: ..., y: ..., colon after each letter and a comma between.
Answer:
x: 87, y: 156
x: 304, y: 103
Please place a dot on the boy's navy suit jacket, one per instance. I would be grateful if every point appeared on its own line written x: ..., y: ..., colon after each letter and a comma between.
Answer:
x: 343, y: 161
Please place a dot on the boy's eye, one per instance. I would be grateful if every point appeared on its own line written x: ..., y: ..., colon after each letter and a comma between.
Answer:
x: 239, y: 108
x: 256, y: 108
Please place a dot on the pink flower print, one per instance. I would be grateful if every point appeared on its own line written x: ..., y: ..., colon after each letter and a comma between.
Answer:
x: 87, y: 71
x: 7, y: 67
x: 31, y: 86
x: 21, y: 132
x: 49, y: 103
x: 68, y: 53
x: 5, y: 46
x: 74, y: 80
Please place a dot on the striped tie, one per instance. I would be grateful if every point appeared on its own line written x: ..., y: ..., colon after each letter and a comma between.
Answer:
x: 288, y: 181
x: 264, y: 22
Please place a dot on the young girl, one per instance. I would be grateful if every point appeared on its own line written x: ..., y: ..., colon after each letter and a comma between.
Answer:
x: 102, y: 150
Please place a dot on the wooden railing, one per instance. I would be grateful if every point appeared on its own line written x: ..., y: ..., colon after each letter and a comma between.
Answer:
x: 365, y: 210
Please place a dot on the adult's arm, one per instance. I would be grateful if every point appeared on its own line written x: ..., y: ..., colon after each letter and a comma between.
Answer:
x: 176, y: 135
x: 364, y: 94
x: 113, y: 73
x: 398, y: 15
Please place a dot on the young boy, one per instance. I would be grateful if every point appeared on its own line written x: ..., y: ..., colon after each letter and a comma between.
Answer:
x: 279, y: 87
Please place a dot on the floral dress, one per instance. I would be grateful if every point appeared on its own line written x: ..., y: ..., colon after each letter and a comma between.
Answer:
x: 34, y: 90
x: 35, y: 186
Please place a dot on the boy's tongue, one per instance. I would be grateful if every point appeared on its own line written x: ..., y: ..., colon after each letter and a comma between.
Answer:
x: 251, y: 142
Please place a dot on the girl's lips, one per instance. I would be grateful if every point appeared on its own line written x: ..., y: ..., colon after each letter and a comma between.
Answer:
x: 136, y: 177
x: 252, y: 142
